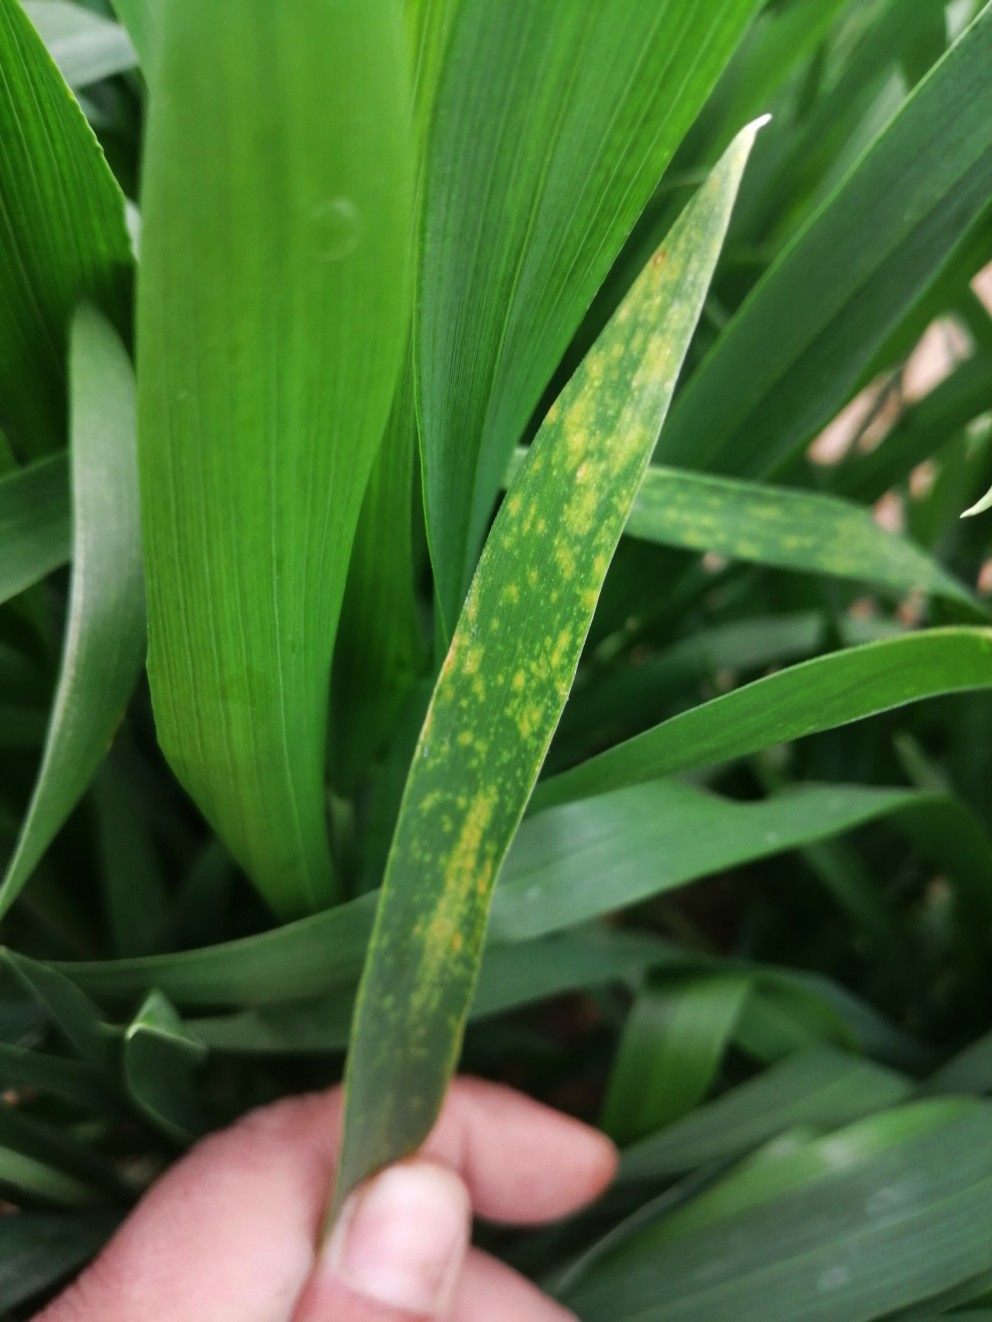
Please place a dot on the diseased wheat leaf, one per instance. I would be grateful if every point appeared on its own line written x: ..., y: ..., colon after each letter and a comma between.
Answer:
x: 503, y: 685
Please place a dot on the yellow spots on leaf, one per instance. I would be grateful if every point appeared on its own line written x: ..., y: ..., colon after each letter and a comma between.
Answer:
x: 601, y: 564
x: 513, y: 504
x: 518, y: 682
x: 565, y: 560
x: 479, y: 688
x: 589, y: 598
x: 465, y: 858
x: 542, y: 526
x: 617, y: 351
x: 466, y: 738
x: 532, y: 576
x: 551, y: 416
x: 582, y: 472
x: 559, y: 652
x: 430, y: 800
x: 528, y: 720
x: 457, y: 941
x: 511, y: 592
x: 473, y: 660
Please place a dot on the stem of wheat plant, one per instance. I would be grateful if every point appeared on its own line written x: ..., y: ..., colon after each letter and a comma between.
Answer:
x: 482, y: 587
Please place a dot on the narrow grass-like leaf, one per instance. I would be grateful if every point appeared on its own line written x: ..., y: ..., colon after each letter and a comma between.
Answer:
x: 565, y: 866
x: 105, y: 633
x: 979, y: 507
x: 26, y: 1178
x: 34, y: 524
x: 582, y: 860
x: 504, y: 684
x: 672, y: 1045
x: 551, y: 129
x: 786, y: 364
x: 69, y: 1009
x: 823, y: 1087
x: 62, y: 234
x: 73, y: 1081
x: 847, y: 1228
x: 272, y: 315
x: 85, y: 46
x: 511, y: 977
x: 798, y: 530
x: 160, y: 1056
x: 805, y: 699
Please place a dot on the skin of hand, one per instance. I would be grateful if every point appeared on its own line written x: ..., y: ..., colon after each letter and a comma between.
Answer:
x: 230, y: 1233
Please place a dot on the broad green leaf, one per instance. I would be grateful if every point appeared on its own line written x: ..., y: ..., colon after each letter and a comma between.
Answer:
x: 824, y: 1088
x: 670, y: 1050
x: 62, y: 234
x: 39, y: 1249
x: 785, y: 365
x: 272, y: 313
x: 104, y: 643
x: 160, y: 1056
x: 504, y: 684
x: 34, y: 524
x: 511, y: 977
x: 550, y: 131
x: 582, y: 860
x: 844, y: 1229
x: 799, y: 530
x: 805, y: 699
x: 565, y: 866
x: 85, y: 46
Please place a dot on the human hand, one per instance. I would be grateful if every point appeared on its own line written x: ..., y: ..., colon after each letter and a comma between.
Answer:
x: 229, y: 1234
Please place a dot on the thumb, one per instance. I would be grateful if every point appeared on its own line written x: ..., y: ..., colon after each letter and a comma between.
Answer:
x: 396, y: 1250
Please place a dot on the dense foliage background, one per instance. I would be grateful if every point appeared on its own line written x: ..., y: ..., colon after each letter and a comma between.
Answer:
x: 746, y: 924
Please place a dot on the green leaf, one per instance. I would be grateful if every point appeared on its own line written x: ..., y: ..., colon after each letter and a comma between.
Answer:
x: 582, y: 860
x: 39, y: 1249
x: 785, y: 365
x: 161, y: 1056
x: 62, y: 234
x: 24, y: 1177
x: 672, y: 1045
x: 816, y: 695
x: 511, y: 977
x: 69, y: 1009
x: 504, y: 684
x: 550, y: 131
x: 797, y: 530
x: 85, y: 46
x: 105, y: 631
x: 823, y: 1088
x: 980, y: 506
x: 272, y: 314
x: 34, y: 524
x: 847, y: 1228
x: 73, y: 1081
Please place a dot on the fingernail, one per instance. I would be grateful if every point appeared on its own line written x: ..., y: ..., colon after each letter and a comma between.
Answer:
x: 401, y: 1238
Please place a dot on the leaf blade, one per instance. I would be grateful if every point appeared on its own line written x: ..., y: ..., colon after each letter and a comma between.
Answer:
x: 462, y: 804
